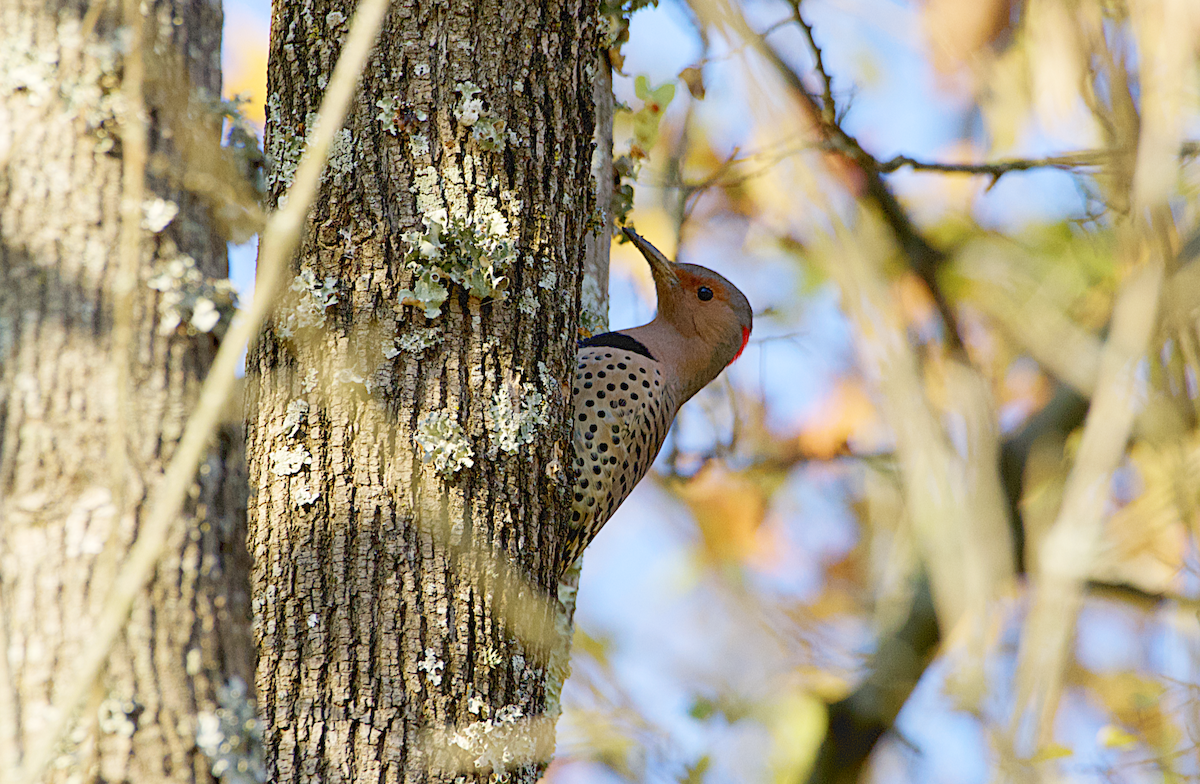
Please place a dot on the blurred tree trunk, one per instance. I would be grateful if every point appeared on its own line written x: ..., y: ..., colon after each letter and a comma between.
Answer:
x: 96, y: 382
x: 408, y: 454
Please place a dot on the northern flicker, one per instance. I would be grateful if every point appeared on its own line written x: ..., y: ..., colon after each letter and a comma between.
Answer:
x: 629, y: 384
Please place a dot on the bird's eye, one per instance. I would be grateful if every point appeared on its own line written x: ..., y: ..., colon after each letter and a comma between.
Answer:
x: 704, y: 293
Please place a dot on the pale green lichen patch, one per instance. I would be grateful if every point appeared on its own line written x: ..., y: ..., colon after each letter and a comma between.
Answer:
x: 388, y: 108
x: 427, y: 293
x: 341, y: 153
x: 190, y: 299
x: 490, y: 133
x: 284, y: 148
x: 591, y: 323
x: 443, y: 442
x: 528, y: 304
x: 473, y: 252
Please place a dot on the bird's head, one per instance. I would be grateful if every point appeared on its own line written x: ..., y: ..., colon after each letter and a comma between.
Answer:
x: 699, y: 305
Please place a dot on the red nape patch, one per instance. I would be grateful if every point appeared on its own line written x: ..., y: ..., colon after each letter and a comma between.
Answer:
x: 745, y: 340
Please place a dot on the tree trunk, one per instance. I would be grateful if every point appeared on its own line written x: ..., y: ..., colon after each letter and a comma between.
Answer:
x: 408, y: 417
x: 98, y: 372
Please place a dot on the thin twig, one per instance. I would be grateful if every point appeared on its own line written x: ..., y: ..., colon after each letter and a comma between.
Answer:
x: 1079, y: 159
x: 859, y: 170
x: 1072, y: 160
x: 279, y: 240
x: 829, y: 109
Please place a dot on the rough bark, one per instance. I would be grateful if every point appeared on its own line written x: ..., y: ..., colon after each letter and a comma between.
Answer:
x: 78, y: 455
x: 404, y: 594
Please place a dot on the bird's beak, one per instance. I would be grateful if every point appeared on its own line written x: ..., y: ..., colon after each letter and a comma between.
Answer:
x: 662, y: 268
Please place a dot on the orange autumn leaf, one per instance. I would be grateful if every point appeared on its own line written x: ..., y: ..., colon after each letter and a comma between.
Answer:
x: 729, y: 509
x: 838, y: 417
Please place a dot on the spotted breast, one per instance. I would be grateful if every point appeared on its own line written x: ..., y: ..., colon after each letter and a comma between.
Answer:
x: 623, y: 410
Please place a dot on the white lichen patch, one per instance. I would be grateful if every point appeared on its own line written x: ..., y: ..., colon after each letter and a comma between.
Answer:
x: 528, y: 304
x: 549, y: 280
x: 116, y: 717
x: 286, y: 462
x: 414, y: 341
x: 311, y: 299
x: 231, y: 737
x: 157, y: 214
x: 515, y: 415
x: 443, y: 442
x: 349, y: 376
x: 469, y: 108
x: 293, y: 420
x: 305, y: 496
x: 190, y: 298
x: 498, y: 743
x: 432, y: 666
x: 418, y: 145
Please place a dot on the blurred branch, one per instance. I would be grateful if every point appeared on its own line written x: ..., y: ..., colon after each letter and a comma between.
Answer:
x: 134, y: 151
x: 279, y: 240
x: 858, y: 721
x: 1001, y: 288
x: 1068, y: 550
x: 1145, y: 600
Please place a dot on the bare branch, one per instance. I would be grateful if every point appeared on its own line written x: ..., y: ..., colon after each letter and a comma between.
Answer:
x: 279, y: 240
x: 1081, y: 159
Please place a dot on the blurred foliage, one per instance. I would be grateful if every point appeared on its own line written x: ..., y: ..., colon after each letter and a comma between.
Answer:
x: 796, y: 613
x: 776, y: 626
